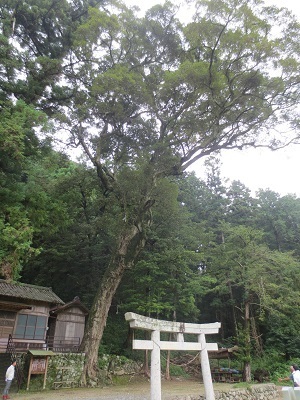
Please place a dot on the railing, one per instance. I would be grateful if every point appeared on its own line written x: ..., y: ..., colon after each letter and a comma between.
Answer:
x: 10, y: 348
x: 54, y: 343
x: 62, y: 344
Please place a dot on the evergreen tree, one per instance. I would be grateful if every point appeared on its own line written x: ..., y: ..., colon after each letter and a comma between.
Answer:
x: 147, y: 97
x: 251, y: 284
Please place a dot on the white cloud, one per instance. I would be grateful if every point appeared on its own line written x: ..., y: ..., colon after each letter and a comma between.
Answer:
x: 260, y: 169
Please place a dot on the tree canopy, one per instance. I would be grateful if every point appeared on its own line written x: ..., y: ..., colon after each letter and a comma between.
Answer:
x: 144, y: 98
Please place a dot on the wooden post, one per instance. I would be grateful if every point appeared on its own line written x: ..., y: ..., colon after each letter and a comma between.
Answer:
x: 46, y: 369
x: 29, y: 374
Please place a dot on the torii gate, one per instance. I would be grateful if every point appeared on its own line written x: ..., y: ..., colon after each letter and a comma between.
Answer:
x: 155, y: 345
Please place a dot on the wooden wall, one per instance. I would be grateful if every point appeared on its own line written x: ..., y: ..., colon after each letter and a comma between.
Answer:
x: 70, y: 323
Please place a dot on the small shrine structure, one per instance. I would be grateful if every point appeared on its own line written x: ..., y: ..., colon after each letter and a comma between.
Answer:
x: 156, y: 326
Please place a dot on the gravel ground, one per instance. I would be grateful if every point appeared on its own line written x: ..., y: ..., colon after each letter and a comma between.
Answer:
x: 131, y: 391
x: 171, y: 390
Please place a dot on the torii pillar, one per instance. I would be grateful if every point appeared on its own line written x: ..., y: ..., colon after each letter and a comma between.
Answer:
x: 155, y: 345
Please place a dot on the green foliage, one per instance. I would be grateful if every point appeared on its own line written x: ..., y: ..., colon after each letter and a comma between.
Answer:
x: 115, y: 334
x: 172, y: 243
x: 106, y: 360
x: 145, y: 97
x: 175, y: 370
x: 279, y: 217
x: 15, y: 243
x: 18, y: 145
x: 282, y: 334
x: 274, y: 363
x: 67, y: 226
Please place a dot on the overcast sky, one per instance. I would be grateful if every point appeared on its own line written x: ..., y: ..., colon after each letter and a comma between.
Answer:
x: 277, y: 170
x: 265, y: 169
x: 257, y: 169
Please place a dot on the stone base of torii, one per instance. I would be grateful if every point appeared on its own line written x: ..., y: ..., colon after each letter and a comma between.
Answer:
x: 155, y: 326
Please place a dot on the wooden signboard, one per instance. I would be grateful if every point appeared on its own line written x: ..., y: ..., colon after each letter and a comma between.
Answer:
x: 38, y: 364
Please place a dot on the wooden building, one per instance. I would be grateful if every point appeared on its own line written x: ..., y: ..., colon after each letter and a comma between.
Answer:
x: 34, y: 317
x: 67, y: 322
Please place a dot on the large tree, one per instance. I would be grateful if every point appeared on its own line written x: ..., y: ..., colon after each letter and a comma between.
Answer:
x: 17, y: 145
x: 254, y: 284
x: 147, y: 97
x: 279, y: 217
x: 35, y: 36
x: 150, y: 96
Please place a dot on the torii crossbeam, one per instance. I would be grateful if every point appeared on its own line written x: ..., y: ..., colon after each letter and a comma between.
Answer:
x: 156, y: 326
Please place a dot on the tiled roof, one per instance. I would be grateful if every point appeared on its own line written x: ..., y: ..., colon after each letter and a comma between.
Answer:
x: 75, y: 302
x: 28, y: 292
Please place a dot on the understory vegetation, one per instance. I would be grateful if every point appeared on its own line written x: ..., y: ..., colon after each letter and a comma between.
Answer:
x: 102, y: 113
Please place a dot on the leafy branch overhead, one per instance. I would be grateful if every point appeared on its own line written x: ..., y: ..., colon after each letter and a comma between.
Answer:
x: 143, y: 98
x: 154, y: 87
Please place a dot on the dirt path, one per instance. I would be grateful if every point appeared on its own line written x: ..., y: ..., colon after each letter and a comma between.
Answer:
x: 136, y: 389
x: 130, y: 391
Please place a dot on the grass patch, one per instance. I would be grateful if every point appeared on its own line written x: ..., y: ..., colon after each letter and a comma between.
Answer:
x: 243, y: 385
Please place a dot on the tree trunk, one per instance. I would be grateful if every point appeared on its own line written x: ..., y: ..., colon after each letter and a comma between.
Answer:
x: 247, y: 371
x: 146, y: 364
x: 247, y: 366
x: 102, y: 302
x: 257, y: 338
x: 235, y: 324
x: 167, y: 372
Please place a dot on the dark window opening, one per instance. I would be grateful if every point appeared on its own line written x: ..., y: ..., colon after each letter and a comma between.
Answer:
x: 30, y: 327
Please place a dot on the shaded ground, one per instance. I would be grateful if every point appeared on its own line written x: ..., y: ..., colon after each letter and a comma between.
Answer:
x: 137, y: 389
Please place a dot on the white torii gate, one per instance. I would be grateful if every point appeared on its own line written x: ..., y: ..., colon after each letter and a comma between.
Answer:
x: 155, y: 345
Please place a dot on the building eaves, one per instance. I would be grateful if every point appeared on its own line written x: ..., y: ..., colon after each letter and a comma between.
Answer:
x: 75, y: 302
x: 23, y: 291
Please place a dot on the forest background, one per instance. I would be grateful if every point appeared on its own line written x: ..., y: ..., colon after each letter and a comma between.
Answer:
x: 125, y: 228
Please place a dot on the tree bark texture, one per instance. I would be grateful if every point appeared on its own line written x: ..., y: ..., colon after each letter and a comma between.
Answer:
x: 247, y: 366
x: 167, y: 373
x: 100, y: 308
